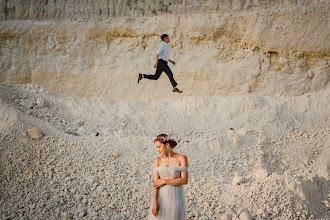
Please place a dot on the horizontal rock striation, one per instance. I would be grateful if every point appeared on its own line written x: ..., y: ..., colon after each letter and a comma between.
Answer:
x: 221, y: 47
x: 86, y: 9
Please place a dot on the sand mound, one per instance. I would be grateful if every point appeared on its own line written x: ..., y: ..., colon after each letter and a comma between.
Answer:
x: 94, y: 157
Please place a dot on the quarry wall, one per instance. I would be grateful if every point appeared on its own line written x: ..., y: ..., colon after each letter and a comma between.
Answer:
x: 221, y: 48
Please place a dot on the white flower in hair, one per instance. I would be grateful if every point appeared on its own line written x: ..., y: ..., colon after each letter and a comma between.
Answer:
x: 165, y: 138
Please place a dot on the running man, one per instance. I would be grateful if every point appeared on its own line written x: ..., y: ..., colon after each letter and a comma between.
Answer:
x: 162, y: 58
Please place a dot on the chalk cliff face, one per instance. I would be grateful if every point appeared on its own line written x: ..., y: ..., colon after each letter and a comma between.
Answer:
x: 96, y: 48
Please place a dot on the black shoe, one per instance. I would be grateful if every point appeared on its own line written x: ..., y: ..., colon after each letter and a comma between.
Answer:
x: 140, y: 77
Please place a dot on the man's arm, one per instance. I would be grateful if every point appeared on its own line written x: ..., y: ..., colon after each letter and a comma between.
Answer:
x: 157, y: 56
x: 159, y: 51
x: 172, y: 61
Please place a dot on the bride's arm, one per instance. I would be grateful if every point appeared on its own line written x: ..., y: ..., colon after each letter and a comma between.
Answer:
x: 155, y: 194
x: 178, y: 181
x: 156, y: 177
x: 155, y: 206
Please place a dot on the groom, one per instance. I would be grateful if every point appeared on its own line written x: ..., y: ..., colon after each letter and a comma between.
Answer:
x: 162, y: 58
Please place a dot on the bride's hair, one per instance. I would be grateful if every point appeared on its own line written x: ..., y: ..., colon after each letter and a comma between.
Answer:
x: 164, y: 138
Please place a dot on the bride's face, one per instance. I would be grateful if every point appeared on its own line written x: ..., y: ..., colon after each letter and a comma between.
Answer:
x: 161, y: 148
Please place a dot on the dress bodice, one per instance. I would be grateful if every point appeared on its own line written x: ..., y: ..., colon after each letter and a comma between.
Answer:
x: 171, y: 172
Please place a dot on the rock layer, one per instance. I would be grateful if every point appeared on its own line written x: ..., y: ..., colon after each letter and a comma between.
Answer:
x: 220, y: 49
x: 102, y: 9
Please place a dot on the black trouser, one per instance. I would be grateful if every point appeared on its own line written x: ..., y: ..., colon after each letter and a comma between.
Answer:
x: 162, y: 66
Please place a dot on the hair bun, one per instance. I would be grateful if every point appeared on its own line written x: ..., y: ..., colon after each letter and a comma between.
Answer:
x: 173, y: 143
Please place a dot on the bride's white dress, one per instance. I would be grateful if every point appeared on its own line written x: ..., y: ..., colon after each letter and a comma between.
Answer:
x: 171, y: 199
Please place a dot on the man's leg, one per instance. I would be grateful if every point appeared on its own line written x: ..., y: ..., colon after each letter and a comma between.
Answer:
x: 169, y: 73
x: 159, y: 71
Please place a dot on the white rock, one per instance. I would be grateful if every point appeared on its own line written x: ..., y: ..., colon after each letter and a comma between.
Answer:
x: 325, y: 203
x: 87, y: 186
x: 98, y: 208
x: 247, y: 4
x: 94, y: 214
x: 81, y: 123
x: 79, y: 198
x: 27, y: 103
x: 100, y: 188
x: 245, y: 216
x: 237, y: 180
x: 84, y: 201
x: 94, y: 186
x: 66, y: 215
x: 262, y: 213
x: 81, y: 131
x: 82, y: 213
x: 105, y: 193
x: 115, y: 154
x: 32, y: 206
x: 59, y: 127
x: 242, y: 131
x: 226, y: 217
x: 70, y: 130
x: 261, y: 174
x: 276, y: 209
x: 41, y: 103
x: 236, y: 140
x: 24, y: 134
x: 35, y: 134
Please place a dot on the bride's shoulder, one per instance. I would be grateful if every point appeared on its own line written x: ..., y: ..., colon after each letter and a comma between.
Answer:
x: 183, y: 159
x: 181, y: 156
x: 156, y: 161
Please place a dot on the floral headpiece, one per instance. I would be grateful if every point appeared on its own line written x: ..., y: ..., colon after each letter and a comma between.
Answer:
x: 164, y: 138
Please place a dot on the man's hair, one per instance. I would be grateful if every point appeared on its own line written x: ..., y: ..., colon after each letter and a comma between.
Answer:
x: 163, y: 36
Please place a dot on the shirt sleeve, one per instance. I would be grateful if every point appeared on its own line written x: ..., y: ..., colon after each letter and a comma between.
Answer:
x: 161, y: 48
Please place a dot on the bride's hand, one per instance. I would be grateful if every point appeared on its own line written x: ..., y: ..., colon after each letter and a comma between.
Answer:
x: 158, y: 183
x: 155, y: 209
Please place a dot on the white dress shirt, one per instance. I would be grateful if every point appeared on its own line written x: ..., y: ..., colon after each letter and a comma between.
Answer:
x: 163, y: 52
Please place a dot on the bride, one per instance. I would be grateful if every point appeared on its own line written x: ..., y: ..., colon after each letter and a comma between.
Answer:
x: 170, y: 173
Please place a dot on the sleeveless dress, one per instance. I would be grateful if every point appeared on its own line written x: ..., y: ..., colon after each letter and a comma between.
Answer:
x: 171, y: 199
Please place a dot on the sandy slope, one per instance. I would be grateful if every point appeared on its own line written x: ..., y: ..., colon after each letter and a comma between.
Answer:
x: 96, y: 156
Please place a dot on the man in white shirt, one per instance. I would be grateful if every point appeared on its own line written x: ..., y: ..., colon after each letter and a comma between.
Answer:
x: 162, y: 58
